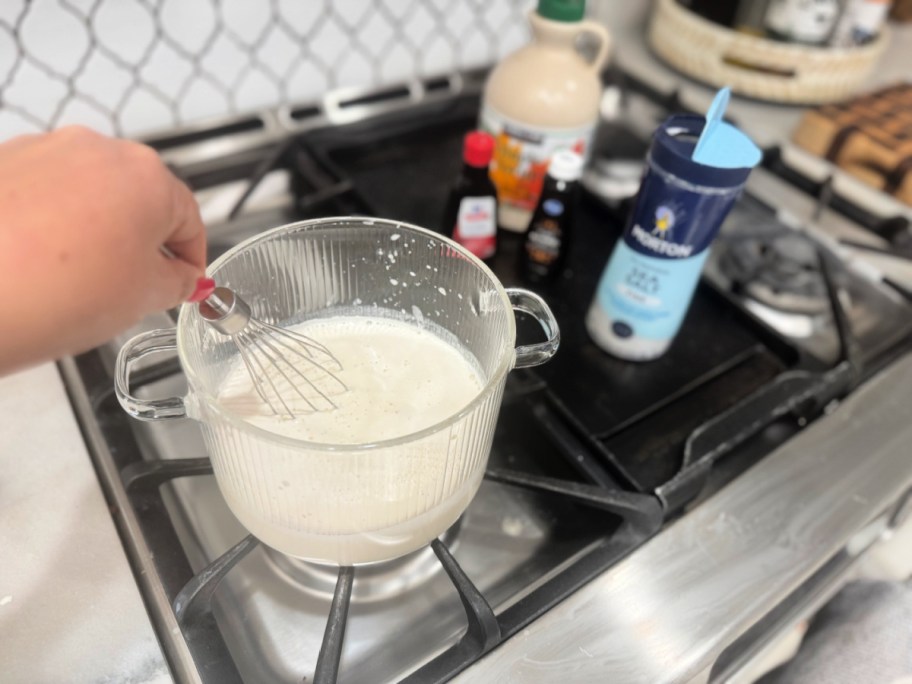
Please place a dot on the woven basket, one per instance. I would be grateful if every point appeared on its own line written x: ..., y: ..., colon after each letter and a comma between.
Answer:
x: 756, y: 67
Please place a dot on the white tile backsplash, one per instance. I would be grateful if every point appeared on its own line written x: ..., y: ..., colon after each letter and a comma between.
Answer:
x: 71, y: 39
x: 102, y: 69
x: 134, y: 67
x: 190, y: 24
x: 125, y: 28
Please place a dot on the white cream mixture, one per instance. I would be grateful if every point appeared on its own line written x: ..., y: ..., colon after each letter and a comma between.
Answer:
x: 343, y: 506
x: 400, y: 378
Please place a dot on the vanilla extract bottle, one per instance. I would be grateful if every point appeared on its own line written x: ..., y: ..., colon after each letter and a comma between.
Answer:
x: 547, y: 240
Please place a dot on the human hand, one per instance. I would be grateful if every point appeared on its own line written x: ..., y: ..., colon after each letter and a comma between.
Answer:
x: 83, y: 219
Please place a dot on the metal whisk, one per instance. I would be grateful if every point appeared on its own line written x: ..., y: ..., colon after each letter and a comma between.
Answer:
x: 282, y: 364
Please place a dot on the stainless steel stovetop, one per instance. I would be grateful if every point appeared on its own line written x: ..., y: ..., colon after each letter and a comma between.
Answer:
x: 590, y: 459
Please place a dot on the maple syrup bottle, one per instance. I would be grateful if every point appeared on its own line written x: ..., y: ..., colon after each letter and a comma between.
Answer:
x: 542, y: 98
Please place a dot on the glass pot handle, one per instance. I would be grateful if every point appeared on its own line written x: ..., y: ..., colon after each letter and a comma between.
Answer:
x: 530, y: 303
x: 138, y: 348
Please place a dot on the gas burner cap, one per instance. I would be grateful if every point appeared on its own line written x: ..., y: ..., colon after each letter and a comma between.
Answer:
x: 781, y: 272
x: 373, y: 582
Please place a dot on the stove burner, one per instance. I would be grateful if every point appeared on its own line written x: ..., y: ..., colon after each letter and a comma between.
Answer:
x: 781, y: 272
x: 374, y: 582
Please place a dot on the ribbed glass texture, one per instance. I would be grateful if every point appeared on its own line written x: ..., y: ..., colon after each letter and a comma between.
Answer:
x: 363, y: 503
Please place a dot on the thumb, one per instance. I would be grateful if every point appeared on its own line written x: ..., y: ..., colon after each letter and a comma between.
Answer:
x: 176, y: 282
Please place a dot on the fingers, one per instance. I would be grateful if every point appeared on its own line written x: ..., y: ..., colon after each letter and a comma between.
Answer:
x: 177, y: 217
x: 204, y: 288
x: 175, y: 282
x: 186, y: 234
x: 176, y: 222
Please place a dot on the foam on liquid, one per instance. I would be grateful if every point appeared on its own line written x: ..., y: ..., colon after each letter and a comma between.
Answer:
x: 401, y: 379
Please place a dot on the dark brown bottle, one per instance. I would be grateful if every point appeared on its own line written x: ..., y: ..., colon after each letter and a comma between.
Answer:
x: 549, y: 232
x: 471, y: 212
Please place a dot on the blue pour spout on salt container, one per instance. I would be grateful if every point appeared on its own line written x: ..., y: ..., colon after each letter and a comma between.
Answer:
x: 696, y: 169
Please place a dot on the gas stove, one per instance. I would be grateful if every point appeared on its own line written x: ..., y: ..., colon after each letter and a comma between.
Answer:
x: 592, y: 456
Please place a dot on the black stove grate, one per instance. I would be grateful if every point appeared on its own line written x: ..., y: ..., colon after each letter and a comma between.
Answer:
x: 641, y: 517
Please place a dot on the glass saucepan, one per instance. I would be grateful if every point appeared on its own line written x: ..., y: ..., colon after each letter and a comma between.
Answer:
x: 353, y: 503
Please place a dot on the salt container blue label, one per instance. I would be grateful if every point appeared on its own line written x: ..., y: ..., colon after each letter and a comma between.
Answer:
x: 650, y: 279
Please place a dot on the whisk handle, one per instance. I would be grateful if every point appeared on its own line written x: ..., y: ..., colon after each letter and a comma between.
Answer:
x: 140, y: 347
x: 225, y: 311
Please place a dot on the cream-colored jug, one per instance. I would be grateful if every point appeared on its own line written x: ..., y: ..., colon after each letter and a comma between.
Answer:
x: 542, y: 98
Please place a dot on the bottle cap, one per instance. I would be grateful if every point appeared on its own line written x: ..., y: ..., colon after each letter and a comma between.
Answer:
x: 478, y: 149
x: 565, y: 165
x: 562, y: 10
x: 673, y: 146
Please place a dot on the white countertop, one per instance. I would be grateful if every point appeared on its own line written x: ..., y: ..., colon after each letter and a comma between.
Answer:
x: 66, y: 590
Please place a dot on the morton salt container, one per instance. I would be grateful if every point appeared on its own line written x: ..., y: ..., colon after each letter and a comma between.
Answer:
x: 647, y: 286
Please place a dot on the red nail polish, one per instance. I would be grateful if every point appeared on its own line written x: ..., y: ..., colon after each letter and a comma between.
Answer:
x: 204, y: 288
